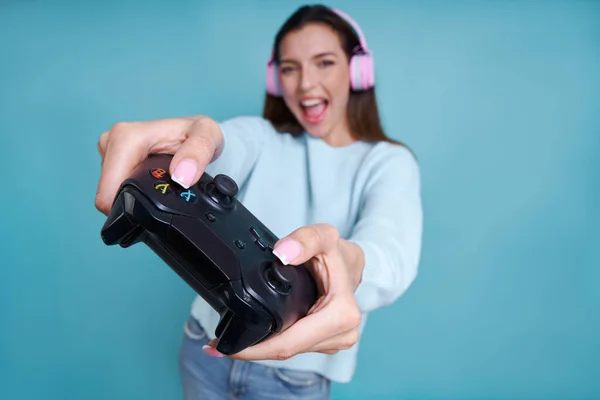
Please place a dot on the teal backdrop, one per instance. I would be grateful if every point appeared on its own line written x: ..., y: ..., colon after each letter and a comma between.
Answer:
x: 500, y: 100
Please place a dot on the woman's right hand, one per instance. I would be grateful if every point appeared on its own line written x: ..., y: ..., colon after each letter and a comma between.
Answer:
x: 193, y: 141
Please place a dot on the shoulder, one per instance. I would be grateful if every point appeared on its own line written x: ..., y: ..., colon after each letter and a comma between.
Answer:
x: 393, y: 163
x: 247, y: 123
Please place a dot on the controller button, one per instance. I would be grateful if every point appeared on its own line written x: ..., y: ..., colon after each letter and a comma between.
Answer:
x: 158, y: 173
x: 189, y: 196
x: 211, y: 217
x: 162, y: 187
x: 262, y: 238
x: 240, y: 244
x: 268, y: 245
x: 281, y: 277
x: 260, y: 244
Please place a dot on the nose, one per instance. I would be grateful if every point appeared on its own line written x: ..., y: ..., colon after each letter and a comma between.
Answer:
x: 308, y: 79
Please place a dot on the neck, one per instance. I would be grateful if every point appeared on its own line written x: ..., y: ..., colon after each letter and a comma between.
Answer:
x: 339, y: 136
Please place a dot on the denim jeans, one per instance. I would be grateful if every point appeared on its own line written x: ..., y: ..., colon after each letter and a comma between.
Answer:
x: 210, y: 378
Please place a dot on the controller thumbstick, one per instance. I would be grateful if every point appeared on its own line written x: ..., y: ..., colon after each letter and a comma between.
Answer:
x: 222, y: 190
x: 281, y: 277
x: 225, y: 185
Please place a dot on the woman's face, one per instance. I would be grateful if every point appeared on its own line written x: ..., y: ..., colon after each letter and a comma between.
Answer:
x: 315, y: 81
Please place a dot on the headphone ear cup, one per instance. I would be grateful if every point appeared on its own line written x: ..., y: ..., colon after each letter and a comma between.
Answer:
x: 362, y: 76
x: 272, y: 84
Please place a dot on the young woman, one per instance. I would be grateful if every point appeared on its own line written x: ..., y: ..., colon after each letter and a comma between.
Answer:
x: 320, y: 172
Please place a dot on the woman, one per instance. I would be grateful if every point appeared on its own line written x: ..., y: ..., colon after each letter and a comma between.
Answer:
x: 319, y: 171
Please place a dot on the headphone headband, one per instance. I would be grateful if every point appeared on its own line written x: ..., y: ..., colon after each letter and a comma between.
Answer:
x: 361, y: 37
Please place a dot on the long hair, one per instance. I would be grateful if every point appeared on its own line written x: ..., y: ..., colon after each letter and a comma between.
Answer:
x: 362, y: 111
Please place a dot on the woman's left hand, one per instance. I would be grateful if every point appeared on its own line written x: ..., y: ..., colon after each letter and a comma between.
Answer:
x: 332, y: 323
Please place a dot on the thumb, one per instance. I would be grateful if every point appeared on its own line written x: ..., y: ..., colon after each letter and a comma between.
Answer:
x: 203, y: 144
x: 305, y: 243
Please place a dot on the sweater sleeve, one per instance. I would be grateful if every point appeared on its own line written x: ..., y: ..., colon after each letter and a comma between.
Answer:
x: 244, y: 138
x: 389, y: 228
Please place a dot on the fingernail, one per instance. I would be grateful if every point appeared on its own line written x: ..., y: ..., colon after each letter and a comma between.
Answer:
x: 287, y: 251
x: 185, y: 172
x: 211, y: 351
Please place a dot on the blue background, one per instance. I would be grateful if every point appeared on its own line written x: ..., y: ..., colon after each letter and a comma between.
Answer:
x: 499, y: 99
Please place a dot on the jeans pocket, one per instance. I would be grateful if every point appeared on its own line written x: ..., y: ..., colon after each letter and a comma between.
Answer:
x: 297, y: 378
x: 194, y: 330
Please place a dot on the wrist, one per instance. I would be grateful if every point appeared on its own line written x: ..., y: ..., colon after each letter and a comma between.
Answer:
x: 354, y: 260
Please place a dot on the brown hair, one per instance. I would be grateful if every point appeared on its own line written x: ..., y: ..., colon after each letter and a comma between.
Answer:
x: 362, y: 111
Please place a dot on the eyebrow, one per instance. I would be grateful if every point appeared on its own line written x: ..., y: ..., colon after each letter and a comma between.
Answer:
x: 327, y: 53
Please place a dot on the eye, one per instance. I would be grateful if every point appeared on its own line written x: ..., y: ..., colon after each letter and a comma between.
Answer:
x: 286, y: 69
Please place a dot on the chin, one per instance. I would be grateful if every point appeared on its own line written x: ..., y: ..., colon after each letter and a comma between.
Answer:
x: 319, y: 131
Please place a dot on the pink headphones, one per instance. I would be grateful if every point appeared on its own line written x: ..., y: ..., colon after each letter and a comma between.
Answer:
x: 362, y: 74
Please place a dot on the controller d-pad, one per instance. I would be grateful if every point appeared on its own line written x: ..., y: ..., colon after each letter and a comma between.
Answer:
x: 162, y: 187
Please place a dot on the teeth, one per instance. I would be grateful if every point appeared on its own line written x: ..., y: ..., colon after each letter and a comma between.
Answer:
x: 310, y: 103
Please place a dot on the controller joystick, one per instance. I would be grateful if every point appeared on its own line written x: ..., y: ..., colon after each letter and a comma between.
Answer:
x: 218, y: 247
x: 222, y: 190
x: 280, y: 277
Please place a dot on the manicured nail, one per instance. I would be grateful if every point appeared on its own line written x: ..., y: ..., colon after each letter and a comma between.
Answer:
x: 211, y: 351
x: 287, y: 251
x: 185, y: 172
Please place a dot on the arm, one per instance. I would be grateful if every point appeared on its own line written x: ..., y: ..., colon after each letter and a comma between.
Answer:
x: 197, y: 143
x: 369, y: 270
x: 243, y: 139
x: 385, y: 245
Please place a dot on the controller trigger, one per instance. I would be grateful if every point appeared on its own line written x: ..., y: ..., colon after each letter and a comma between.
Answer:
x: 118, y: 228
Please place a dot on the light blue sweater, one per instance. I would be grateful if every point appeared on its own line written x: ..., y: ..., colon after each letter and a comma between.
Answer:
x: 370, y: 192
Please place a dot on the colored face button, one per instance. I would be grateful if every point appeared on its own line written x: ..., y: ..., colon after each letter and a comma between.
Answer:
x: 158, y: 173
x: 162, y: 187
x: 188, y: 196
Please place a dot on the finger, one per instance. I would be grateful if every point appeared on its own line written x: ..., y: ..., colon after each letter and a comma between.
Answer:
x: 102, y: 143
x: 203, y: 143
x: 306, y: 242
x: 330, y: 271
x: 122, y: 153
x: 342, y: 341
x: 304, y: 335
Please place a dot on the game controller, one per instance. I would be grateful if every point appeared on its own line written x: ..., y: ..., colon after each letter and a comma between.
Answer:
x: 217, y: 246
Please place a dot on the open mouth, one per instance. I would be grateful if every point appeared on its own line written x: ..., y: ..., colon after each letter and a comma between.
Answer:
x: 314, y: 110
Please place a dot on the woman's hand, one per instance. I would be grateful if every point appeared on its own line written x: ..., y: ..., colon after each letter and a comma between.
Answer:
x: 332, y: 323
x: 193, y: 141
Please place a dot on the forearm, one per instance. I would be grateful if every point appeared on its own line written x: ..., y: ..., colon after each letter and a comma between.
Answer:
x: 388, y: 232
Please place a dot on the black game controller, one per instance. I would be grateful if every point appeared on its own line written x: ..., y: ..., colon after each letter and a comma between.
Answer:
x: 216, y: 246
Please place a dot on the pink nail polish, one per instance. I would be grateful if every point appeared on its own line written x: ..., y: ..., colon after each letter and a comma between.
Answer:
x: 287, y: 251
x: 211, y: 352
x: 185, y: 172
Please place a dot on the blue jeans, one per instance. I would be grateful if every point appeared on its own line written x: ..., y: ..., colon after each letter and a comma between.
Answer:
x: 207, y: 377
